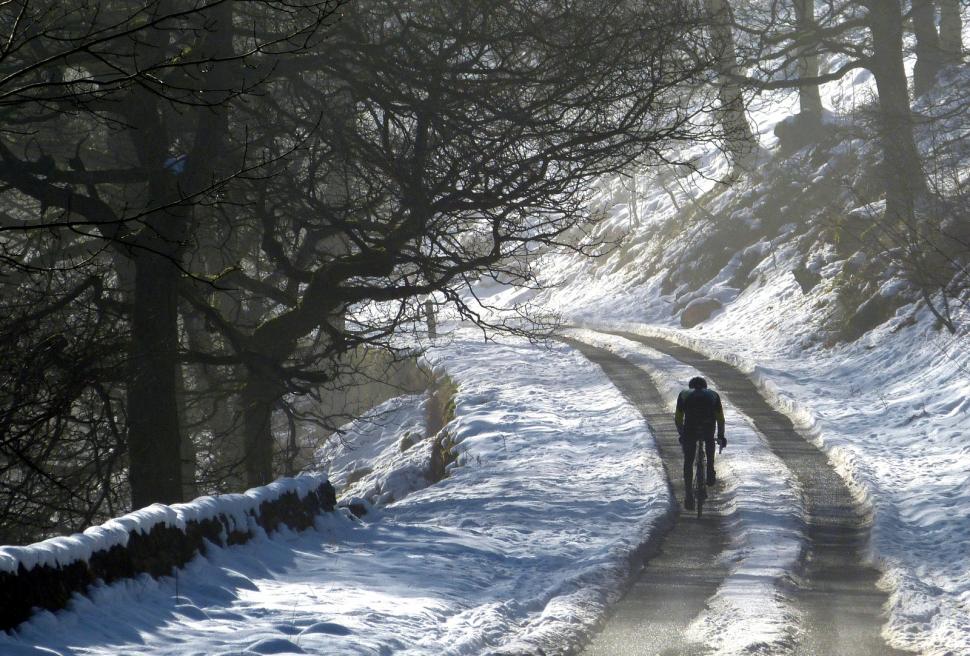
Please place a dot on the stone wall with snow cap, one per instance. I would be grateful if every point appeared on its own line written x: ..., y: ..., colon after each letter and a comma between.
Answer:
x: 152, y: 540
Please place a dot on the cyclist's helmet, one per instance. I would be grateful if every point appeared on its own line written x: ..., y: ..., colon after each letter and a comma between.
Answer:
x: 697, y: 383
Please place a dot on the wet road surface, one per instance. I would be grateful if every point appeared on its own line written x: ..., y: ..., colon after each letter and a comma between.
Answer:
x: 682, y: 570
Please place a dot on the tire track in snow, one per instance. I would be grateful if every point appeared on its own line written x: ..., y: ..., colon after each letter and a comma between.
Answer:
x: 684, y: 568
x: 836, y: 592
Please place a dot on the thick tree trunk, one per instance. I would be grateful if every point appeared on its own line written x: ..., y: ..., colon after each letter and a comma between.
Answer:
x: 929, y: 55
x: 951, y: 31
x: 809, y: 98
x: 154, y: 443
x: 738, y: 137
x: 902, y: 170
x: 260, y: 397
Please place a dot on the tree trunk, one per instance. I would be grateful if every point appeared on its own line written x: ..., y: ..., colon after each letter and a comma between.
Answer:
x: 951, y: 31
x: 902, y: 171
x: 429, y: 317
x: 929, y: 55
x: 187, y: 452
x: 259, y: 397
x: 738, y: 137
x: 154, y: 443
x: 809, y: 98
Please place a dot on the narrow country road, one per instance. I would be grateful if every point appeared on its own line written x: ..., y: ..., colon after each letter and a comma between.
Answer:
x: 835, y: 591
x: 683, y: 568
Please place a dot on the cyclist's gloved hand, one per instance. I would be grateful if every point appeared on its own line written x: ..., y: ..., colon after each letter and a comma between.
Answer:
x: 722, y: 442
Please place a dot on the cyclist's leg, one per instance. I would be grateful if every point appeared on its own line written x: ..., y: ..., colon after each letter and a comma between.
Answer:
x: 690, y: 447
x: 709, y: 448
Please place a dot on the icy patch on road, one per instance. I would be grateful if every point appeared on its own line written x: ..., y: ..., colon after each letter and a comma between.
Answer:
x: 749, y: 613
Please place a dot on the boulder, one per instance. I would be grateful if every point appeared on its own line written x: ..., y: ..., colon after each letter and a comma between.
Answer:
x: 698, y: 311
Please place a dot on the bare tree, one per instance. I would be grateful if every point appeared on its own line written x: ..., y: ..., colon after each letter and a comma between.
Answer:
x: 462, y: 136
x: 62, y: 450
x: 740, y: 141
x: 809, y: 97
x: 142, y: 94
x: 233, y: 206
x: 865, y: 34
x: 903, y: 173
x: 951, y: 31
x: 920, y: 232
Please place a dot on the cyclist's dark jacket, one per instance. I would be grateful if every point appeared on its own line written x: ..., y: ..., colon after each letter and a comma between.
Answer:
x: 699, y: 411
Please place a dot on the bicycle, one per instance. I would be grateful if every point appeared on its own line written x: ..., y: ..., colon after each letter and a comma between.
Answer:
x: 700, y: 477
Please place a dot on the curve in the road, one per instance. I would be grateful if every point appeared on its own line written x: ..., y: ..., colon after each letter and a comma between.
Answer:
x: 683, y: 569
x: 835, y: 590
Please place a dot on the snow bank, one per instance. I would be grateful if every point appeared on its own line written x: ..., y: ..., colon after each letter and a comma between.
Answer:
x: 383, y: 456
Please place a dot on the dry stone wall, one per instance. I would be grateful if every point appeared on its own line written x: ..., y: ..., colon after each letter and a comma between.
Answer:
x: 154, y: 540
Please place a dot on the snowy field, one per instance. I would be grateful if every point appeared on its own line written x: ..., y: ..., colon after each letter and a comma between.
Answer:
x: 522, y: 546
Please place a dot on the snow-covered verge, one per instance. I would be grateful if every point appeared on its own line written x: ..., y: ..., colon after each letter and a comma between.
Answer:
x: 556, y: 485
x: 750, y: 612
x: 382, y: 456
x: 520, y: 548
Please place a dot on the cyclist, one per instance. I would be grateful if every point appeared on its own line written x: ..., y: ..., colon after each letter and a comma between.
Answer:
x: 699, y: 413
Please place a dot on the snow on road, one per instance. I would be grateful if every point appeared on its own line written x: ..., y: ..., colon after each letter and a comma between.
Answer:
x: 523, y: 545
